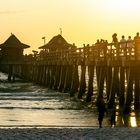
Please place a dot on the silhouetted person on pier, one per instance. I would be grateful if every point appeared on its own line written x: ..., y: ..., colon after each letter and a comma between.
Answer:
x: 130, y: 44
x: 105, y: 42
x: 97, y: 48
x: 123, y: 45
x: 98, y: 42
x: 113, y: 116
x: 137, y: 45
x: 115, y: 41
x: 136, y: 38
x: 101, y: 110
x: 101, y: 46
x: 123, y: 42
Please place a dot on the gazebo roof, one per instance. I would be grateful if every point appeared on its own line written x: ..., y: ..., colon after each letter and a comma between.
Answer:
x: 57, y: 42
x: 13, y: 42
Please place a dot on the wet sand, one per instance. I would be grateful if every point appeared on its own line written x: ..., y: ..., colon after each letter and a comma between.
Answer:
x: 106, y: 133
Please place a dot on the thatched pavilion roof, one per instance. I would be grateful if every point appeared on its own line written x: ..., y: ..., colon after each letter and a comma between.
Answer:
x: 13, y: 42
x: 57, y: 43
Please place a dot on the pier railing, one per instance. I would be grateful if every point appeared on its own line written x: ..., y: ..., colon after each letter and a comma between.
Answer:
x: 92, y: 53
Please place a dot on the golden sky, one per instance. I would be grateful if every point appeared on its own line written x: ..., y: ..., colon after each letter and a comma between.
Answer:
x: 82, y: 21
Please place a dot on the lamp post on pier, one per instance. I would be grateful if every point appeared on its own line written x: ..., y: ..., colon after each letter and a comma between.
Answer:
x: 44, y: 38
x: 60, y: 31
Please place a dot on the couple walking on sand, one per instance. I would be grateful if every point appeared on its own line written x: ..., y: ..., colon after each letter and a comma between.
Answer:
x: 102, y: 110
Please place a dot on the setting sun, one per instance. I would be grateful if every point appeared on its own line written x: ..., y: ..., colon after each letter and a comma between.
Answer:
x: 125, y: 4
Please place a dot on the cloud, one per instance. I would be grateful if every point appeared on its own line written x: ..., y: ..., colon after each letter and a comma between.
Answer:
x: 8, y: 12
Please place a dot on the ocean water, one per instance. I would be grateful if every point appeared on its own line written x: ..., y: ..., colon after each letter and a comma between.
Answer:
x: 24, y: 104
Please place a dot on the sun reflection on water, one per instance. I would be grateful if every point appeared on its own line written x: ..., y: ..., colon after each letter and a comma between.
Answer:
x: 133, y: 121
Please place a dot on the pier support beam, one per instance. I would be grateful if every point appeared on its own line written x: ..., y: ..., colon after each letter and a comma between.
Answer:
x: 122, y: 86
x: 82, y: 82
x: 57, y: 77
x: 114, y: 87
x: 62, y: 78
x: 44, y: 75
x: 68, y: 79
x: 137, y: 89
x: 75, y: 81
x: 10, y: 73
x: 40, y: 74
x: 101, y: 72
x: 47, y: 81
x: 108, y: 81
x: 129, y: 96
x: 52, y: 75
x: 90, y: 83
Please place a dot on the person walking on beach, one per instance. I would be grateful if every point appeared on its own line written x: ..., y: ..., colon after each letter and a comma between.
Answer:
x: 113, y: 116
x: 101, y: 110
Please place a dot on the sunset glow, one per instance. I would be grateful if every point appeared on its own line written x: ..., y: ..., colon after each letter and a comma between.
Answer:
x: 82, y: 21
x: 133, y: 121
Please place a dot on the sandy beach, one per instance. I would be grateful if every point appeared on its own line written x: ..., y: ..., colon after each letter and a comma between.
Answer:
x: 106, y: 133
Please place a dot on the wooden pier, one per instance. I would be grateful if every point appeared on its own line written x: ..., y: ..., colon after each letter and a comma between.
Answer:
x: 115, y: 69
